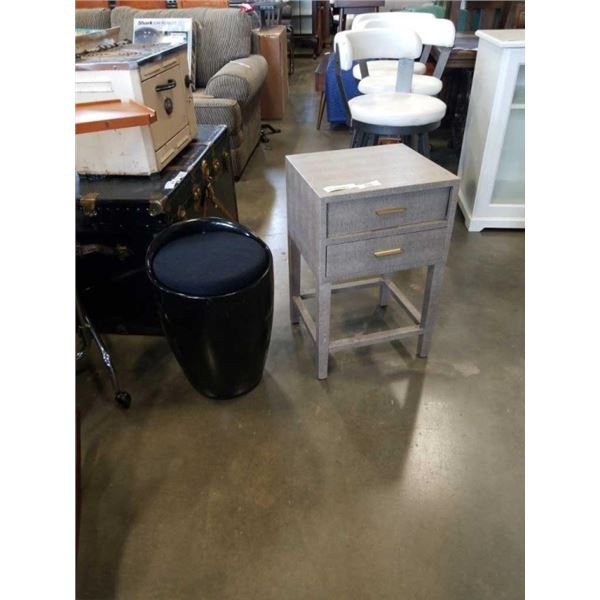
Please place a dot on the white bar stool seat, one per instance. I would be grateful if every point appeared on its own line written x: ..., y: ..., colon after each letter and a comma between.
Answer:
x: 397, y: 109
x: 381, y: 84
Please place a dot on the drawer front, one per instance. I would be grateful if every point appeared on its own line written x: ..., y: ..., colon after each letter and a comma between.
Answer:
x: 170, y: 104
x: 368, y: 214
x: 385, y: 254
x: 169, y: 150
x: 155, y: 67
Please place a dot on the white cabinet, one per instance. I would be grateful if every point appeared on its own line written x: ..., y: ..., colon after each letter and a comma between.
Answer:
x: 492, y: 161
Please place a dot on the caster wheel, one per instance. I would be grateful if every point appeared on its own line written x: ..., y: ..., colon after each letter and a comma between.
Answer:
x: 123, y: 399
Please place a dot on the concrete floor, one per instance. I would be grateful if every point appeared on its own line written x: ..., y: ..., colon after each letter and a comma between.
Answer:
x: 396, y: 478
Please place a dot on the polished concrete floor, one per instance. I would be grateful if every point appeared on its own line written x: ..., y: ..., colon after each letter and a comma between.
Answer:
x: 395, y: 478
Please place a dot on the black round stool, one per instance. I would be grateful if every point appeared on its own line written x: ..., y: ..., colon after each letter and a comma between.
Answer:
x: 213, y: 281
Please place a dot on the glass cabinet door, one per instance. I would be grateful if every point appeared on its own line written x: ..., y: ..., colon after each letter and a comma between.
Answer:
x: 509, y: 187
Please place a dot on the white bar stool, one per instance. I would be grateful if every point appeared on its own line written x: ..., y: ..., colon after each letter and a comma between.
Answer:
x: 399, y: 113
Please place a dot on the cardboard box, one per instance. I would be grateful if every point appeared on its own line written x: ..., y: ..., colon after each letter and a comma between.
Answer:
x: 274, y: 94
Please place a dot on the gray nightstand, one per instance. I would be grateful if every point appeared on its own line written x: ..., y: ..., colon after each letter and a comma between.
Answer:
x: 403, y: 222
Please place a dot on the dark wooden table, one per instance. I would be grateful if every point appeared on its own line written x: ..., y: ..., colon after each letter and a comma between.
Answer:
x: 463, y: 54
x: 320, y: 84
x: 356, y: 7
x: 492, y: 14
x: 457, y: 79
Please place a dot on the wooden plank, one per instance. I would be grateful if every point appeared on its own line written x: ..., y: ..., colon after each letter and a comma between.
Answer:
x: 366, y: 339
x: 454, y: 11
x: 463, y: 53
x: 306, y: 318
x: 404, y: 302
x: 111, y: 114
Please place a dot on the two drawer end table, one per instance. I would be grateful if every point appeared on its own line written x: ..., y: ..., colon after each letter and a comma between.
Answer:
x: 357, y: 216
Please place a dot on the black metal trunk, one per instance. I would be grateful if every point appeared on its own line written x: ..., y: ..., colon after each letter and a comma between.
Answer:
x: 117, y: 218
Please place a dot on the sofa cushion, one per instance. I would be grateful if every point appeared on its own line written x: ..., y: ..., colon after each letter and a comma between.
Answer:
x: 92, y: 18
x: 225, y: 36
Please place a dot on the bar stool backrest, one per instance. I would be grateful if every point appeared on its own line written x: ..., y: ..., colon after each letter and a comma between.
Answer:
x: 402, y: 44
x: 398, y: 43
x: 391, y: 18
x: 433, y: 32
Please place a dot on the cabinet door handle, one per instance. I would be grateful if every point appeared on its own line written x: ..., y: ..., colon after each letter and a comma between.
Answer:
x: 390, y: 252
x: 382, y: 212
x: 171, y: 83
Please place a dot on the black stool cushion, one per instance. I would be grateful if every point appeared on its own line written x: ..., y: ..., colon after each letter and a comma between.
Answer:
x: 210, y: 264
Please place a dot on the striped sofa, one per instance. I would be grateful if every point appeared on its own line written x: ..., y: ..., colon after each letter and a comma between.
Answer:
x: 228, y: 77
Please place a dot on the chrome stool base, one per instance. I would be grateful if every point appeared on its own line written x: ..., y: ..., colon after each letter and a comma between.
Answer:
x: 88, y: 334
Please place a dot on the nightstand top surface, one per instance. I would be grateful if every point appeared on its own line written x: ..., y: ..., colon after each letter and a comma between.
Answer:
x: 505, y: 38
x: 396, y: 167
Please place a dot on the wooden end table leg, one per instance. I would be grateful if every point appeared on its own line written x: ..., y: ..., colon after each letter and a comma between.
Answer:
x: 321, y: 110
x: 384, y: 292
x: 428, y: 312
x: 323, y: 318
x: 294, y: 279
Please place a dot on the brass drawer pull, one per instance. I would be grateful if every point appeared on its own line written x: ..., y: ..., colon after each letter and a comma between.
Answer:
x: 391, y: 252
x: 382, y: 212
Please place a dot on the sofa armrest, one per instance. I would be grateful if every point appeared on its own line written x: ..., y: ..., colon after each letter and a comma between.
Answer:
x: 218, y: 111
x: 239, y: 79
